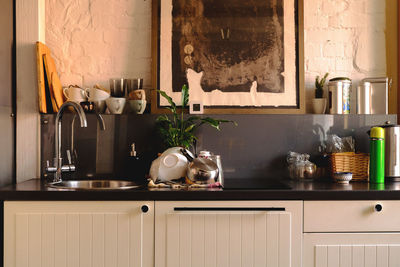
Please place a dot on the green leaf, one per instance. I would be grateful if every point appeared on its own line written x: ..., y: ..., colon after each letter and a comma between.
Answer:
x: 185, y: 95
x: 188, y: 129
x: 168, y: 98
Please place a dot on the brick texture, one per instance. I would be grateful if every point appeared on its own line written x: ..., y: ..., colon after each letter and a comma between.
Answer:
x: 94, y: 40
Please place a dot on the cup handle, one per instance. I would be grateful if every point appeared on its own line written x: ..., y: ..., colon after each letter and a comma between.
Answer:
x: 65, y: 92
x: 87, y: 93
x: 142, y: 107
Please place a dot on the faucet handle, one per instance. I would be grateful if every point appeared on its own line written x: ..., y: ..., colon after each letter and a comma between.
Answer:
x: 69, y: 157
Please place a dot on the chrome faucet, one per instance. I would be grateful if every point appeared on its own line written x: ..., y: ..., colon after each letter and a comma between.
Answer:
x: 58, y: 167
x: 72, y: 149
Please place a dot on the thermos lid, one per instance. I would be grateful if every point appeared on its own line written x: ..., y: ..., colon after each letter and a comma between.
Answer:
x: 339, y: 80
x: 377, y: 132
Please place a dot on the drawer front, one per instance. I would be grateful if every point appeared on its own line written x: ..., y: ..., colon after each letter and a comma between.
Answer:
x: 351, y: 216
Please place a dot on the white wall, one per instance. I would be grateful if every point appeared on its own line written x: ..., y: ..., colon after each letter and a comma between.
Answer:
x: 94, y: 40
x: 344, y: 38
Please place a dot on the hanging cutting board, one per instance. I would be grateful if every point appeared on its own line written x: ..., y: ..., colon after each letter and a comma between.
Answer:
x: 48, y: 67
x: 54, y: 80
x: 41, y: 50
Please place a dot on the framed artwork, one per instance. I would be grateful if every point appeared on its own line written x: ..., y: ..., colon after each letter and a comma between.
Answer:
x: 236, y: 56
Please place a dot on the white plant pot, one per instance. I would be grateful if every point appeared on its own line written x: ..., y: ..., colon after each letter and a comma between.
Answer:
x: 319, y: 105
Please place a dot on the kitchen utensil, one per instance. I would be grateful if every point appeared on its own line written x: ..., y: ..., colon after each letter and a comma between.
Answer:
x: 94, y: 94
x: 342, y: 177
x: 75, y: 94
x: 41, y: 50
x: 217, y: 160
x: 100, y: 106
x: 373, y: 98
x: 377, y: 156
x: 137, y: 95
x: 137, y: 106
x: 54, y: 80
x: 200, y: 170
x: 356, y: 163
x: 364, y: 98
x: 392, y: 152
x: 117, y: 87
x: 133, y: 84
x: 339, y: 95
x: 116, y: 104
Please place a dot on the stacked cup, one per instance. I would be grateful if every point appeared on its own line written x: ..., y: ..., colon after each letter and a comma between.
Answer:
x: 75, y: 94
x: 116, y: 102
x: 98, y: 97
x: 136, y: 95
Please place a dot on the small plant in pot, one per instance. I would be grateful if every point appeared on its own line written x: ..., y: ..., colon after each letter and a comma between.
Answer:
x: 319, y: 102
x: 177, y: 131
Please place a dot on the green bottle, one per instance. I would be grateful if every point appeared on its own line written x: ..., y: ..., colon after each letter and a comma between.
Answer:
x: 377, y: 156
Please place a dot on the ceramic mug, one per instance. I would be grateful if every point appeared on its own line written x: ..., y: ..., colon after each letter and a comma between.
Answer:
x: 137, y: 106
x: 74, y: 94
x: 116, y: 104
x: 94, y: 94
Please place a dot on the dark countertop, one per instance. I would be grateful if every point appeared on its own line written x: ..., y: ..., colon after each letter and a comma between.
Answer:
x: 36, y: 190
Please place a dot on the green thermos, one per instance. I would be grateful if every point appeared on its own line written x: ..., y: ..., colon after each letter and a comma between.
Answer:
x: 377, y: 156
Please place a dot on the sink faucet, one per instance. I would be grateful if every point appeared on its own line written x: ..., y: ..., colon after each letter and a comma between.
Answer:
x: 58, y: 167
x: 73, y: 151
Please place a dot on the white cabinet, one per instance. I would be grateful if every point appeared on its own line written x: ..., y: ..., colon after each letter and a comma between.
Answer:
x: 62, y: 234
x: 352, y: 250
x: 228, y: 233
x: 351, y: 233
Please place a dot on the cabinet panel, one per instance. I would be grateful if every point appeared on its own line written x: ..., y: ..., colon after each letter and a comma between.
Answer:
x: 100, y: 234
x: 363, y: 249
x: 225, y: 237
x: 351, y: 216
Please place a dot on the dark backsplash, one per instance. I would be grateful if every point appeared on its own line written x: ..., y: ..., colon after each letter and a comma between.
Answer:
x: 256, y: 148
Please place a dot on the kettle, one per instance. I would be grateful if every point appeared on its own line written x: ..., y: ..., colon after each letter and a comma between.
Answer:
x: 392, y: 152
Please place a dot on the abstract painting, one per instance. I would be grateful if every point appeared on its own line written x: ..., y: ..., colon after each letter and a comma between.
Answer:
x: 231, y: 53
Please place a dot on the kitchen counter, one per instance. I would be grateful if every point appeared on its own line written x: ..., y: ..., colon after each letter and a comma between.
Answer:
x: 35, y: 190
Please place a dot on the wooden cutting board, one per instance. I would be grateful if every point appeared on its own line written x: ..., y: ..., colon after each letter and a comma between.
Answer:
x: 54, y: 80
x: 41, y: 50
x: 56, y: 94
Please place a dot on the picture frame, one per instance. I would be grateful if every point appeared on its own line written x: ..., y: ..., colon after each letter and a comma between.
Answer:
x: 164, y: 71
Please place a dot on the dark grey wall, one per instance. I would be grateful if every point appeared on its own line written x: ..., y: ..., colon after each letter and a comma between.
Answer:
x: 6, y: 87
x: 257, y: 147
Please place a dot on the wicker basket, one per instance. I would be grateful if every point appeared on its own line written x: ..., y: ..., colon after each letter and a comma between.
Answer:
x: 357, y: 163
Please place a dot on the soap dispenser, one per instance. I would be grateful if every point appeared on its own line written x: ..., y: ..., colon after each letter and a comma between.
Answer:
x: 135, y: 166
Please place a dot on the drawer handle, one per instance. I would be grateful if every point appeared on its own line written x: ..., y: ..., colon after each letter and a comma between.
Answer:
x: 378, y: 207
x: 226, y: 209
x: 145, y: 208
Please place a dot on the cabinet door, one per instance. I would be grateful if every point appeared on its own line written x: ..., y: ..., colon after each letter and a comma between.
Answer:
x: 63, y: 234
x: 227, y: 233
x: 352, y: 250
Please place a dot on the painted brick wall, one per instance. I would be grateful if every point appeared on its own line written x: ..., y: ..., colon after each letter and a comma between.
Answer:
x: 94, y: 40
x: 344, y: 38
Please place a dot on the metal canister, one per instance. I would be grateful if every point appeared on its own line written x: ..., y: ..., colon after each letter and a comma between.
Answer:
x: 364, y: 98
x: 392, y: 152
x: 339, y: 95
x: 377, y: 90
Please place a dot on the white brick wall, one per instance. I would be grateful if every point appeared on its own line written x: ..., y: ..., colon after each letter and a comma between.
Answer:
x: 94, y: 40
x: 344, y: 38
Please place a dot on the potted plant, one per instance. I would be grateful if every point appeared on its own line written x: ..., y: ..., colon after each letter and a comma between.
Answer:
x: 179, y: 130
x: 319, y: 102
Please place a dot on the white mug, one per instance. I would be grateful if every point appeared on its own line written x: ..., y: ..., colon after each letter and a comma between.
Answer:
x: 74, y: 94
x: 94, y: 94
x: 137, y: 106
x: 116, y: 104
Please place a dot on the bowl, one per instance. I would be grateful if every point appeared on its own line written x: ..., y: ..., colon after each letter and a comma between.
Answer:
x: 342, y: 177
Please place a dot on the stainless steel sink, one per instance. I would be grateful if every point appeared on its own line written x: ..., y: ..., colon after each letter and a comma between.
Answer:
x: 95, y: 185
